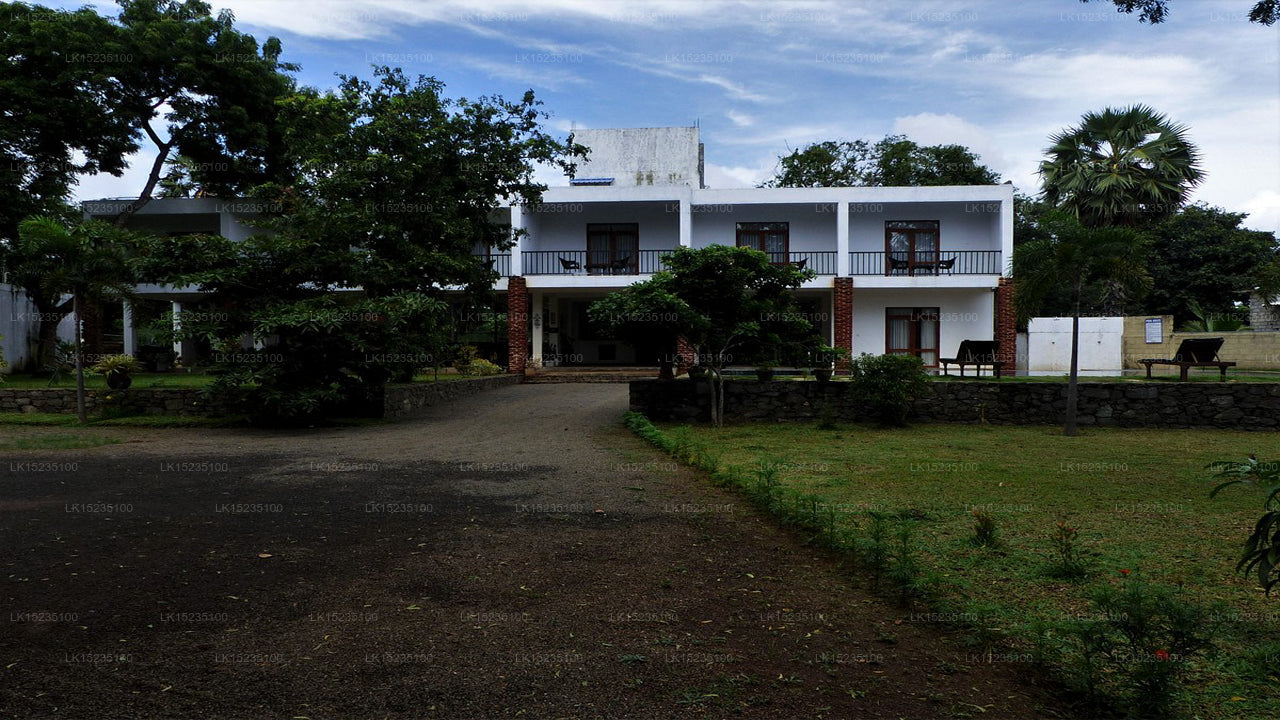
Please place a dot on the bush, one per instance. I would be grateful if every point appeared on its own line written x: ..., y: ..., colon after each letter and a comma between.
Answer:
x: 1135, y: 646
x: 479, y: 367
x: 886, y: 385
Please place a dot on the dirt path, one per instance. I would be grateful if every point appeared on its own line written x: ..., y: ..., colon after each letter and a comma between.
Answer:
x: 514, y: 554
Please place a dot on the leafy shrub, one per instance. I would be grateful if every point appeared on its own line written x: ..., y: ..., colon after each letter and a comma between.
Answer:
x: 1262, y: 550
x: 1134, y: 646
x: 480, y: 367
x: 3, y: 363
x: 463, y: 356
x: 886, y: 385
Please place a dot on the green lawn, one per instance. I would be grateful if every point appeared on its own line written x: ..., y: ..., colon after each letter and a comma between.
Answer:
x: 94, y: 381
x: 1139, y: 498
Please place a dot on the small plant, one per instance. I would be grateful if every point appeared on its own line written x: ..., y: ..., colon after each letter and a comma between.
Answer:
x: 3, y: 363
x: 764, y: 373
x: 985, y: 531
x: 874, y: 549
x: 118, y: 370
x: 64, y: 361
x: 1261, y: 554
x: 532, y: 363
x: 1066, y: 562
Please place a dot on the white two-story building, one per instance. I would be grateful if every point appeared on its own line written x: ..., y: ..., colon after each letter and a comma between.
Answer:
x: 898, y: 269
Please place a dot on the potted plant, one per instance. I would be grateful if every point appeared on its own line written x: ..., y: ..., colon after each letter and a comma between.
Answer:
x: 697, y: 372
x: 764, y: 373
x: 118, y: 370
x: 824, y: 361
x: 532, y: 365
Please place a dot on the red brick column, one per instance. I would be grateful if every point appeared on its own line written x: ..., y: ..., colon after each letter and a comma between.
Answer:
x: 843, y: 311
x: 1006, y: 326
x: 684, y: 354
x: 517, y: 324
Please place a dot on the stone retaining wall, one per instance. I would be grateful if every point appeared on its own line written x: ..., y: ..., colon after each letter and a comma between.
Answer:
x: 395, y: 401
x: 140, y: 401
x: 1239, y: 406
x: 402, y: 400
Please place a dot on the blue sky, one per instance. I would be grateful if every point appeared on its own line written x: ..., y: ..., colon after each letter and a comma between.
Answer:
x: 764, y: 77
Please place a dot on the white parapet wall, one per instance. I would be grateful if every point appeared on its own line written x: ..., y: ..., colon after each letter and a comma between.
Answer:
x: 1101, y: 346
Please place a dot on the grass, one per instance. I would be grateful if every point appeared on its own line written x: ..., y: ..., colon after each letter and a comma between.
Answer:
x: 58, y: 441
x: 137, y: 421
x: 1138, y: 496
x: 94, y: 381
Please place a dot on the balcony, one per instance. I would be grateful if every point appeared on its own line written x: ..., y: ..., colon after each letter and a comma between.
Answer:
x: 577, y: 262
x: 497, y: 262
x: 946, y: 262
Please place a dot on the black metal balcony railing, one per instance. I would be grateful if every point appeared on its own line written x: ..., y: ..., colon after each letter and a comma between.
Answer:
x: 946, y: 262
x: 499, y: 263
x: 821, y: 262
x: 580, y: 262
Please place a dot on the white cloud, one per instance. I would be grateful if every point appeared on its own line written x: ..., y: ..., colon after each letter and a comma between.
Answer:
x: 724, y: 176
x: 934, y: 129
x: 739, y: 119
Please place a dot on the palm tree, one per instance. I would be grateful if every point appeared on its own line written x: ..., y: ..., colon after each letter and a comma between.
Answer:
x: 1121, y: 167
x: 1068, y: 260
x: 70, y: 267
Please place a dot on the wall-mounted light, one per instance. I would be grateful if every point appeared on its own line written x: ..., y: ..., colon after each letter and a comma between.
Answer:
x: 537, y: 321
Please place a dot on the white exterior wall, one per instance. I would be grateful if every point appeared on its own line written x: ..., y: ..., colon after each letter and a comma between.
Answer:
x: 17, y: 325
x: 964, y: 315
x: 563, y: 225
x: 811, y: 227
x: 961, y: 225
x: 1049, y: 346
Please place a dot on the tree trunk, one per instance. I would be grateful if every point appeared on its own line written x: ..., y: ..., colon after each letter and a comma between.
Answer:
x: 1073, y: 379
x: 80, y: 411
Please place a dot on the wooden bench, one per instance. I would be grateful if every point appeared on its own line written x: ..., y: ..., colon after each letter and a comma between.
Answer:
x: 1193, y: 352
x: 976, y: 353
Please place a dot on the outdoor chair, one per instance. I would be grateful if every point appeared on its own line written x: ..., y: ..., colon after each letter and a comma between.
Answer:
x: 570, y: 265
x: 1193, y: 352
x: 976, y: 353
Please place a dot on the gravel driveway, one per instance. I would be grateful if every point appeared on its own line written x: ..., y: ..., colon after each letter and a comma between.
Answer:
x: 515, y: 553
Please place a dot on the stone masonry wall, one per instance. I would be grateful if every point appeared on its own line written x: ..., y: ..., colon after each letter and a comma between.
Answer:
x: 403, y: 400
x: 143, y: 401
x: 396, y: 400
x: 1240, y: 406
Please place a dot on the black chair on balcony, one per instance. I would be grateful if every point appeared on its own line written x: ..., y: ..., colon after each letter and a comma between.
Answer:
x: 621, y: 266
x: 898, y: 263
x: 948, y: 265
x: 570, y: 265
x: 799, y: 264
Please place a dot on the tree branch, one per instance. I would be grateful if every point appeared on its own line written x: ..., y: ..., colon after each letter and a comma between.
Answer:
x: 156, y: 167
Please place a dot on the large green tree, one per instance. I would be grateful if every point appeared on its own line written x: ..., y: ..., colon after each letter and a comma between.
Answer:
x: 1129, y: 166
x: 647, y: 314
x: 1202, y: 255
x: 395, y: 185
x: 64, y: 269
x: 82, y: 93
x: 1074, y: 256
x: 1263, y: 12
x: 893, y: 161
x: 725, y: 301
x: 64, y: 110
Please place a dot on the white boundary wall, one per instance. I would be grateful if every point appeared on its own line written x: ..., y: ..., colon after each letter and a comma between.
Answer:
x: 1101, y: 349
